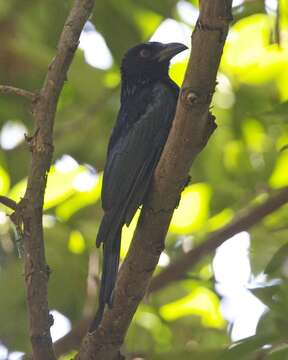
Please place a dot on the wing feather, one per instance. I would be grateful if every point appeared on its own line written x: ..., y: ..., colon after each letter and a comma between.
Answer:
x: 133, y: 157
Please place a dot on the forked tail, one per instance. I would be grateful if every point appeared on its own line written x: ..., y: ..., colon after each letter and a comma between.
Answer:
x: 110, y: 235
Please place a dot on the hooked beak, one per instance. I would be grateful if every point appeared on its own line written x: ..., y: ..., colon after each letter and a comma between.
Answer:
x: 170, y: 50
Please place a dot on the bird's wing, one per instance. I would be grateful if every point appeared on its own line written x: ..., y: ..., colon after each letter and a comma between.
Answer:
x: 134, y: 155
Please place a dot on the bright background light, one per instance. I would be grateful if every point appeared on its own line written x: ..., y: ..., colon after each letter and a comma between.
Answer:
x: 188, y: 13
x: 173, y: 31
x: 12, y: 134
x: 233, y: 276
x: 61, y: 326
x: 96, y: 51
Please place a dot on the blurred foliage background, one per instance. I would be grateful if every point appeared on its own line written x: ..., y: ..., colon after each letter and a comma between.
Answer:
x: 226, y: 297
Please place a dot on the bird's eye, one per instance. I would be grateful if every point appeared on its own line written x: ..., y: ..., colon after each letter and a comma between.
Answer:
x: 144, y: 53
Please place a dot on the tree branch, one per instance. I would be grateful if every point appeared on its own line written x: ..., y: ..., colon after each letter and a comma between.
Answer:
x: 243, y: 221
x: 30, y: 209
x: 6, y: 89
x: 8, y: 202
x: 191, y: 129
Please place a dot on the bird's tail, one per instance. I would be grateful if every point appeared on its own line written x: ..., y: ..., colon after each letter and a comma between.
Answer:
x: 110, y: 235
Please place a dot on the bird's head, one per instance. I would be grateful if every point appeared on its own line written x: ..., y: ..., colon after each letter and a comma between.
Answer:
x: 149, y: 61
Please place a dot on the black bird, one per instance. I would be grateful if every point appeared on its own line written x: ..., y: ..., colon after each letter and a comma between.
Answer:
x: 148, y: 103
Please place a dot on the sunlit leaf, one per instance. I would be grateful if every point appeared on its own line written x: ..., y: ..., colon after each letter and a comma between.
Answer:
x: 79, y: 200
x: 248, y: 55
x: 284, y: 14
x: 279, y: 176
x: 232, y: 153
x: 282, y: 142
x: 193, y: 209
x: 69, y: 356
x: 201, y: 302
x: 18, y: 190
x: 60, y: 186
x: 127, y: 235
x: 111, y: 79
x: 151, y: 322
x: 254, y: 134
x: 76, y: 243
x: 177, y: 71
x: 220, y: 219
x: 4, y: 181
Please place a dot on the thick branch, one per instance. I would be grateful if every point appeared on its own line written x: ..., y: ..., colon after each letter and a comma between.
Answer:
x: 241, y: 222
x: 6, y: 89
x: 30, y: 209
x: 191, y: 129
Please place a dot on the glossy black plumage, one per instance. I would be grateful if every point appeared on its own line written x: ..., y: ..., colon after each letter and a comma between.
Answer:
x: 148, y: 103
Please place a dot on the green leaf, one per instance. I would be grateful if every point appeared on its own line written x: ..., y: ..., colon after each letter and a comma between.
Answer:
x: 201, y: 302
x: 76, y: 242
x: 79, y: 200
x: 248, y: 54
x: 127, y: 235
x: 243, y: 349
x: 60, y: 186
x: 278, y: 260
x: 4, y: 181
x: 193, y: 209
x: 217, y: 221
x: 280, y: 354
x: 279, y: 177
x: 147, y: 319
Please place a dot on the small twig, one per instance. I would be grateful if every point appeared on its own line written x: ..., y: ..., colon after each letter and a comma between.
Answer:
x: 7, y: 89
x: 8, y: 202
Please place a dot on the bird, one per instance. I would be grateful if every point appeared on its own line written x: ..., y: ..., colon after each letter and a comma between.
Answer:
x: 148, y: 102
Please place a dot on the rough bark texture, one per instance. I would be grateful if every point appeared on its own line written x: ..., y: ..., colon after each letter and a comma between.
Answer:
x: 192, y: 127
x: 28, y: 213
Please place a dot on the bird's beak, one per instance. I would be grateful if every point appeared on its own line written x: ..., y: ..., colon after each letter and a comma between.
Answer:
x: 170, y: 50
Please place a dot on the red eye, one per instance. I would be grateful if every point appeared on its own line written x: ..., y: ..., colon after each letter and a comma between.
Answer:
x: 144, y: 53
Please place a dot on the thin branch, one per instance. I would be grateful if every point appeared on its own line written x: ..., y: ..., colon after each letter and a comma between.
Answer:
x: 7, y: 89
x: 192, y: 127
x: 243, y: 221
x: 30, y: 208
x: 8, y: 202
